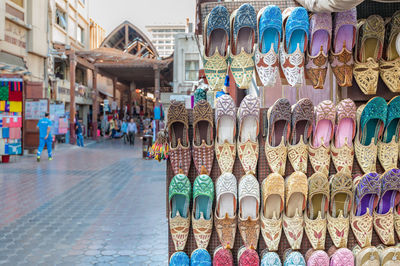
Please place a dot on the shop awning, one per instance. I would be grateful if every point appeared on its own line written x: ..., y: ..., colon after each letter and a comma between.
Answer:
x: 9, y: 59
x: 105, y: 92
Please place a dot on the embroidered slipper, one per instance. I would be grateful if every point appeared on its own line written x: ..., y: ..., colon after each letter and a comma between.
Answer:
x: 342, y: 257
x: 203, y: 140
x: 293, y: 258
x: 342, y: 149
x: 383, y: 214
x: 279, y: 118
x: 222, y: 257
x: 319, y: 45
x: 273, y: 195
x: 318, y: 258
x: 366, y: 195
x: 315, y: 214
x: 202, y: 218
x: 248, y: 257
x: 296, y: 188
x: 319, y: 147
x: 179, y: 150
x: 249, y: 205
x: 368, y: 53
x: 341, y: 53
x: 388, y: 146
x: 340, y: 207
x: 294, y: 45
x: 269, y: 21
x: 225, y: 209
x: 302, y: 120
x: 200, y: 256
x: 216, y: 39
x: 371, y: 120
x: 270, y: 259
x: 390, y: 62
x: 247, y: 144
x: 244, y: 35
x: 179, y: 259
x: 179, y: 219
x: 390, y: 256
x: 368, y: 256
x: 225, y: 144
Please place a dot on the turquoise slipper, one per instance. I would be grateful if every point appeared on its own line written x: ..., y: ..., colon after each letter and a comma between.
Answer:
x: 200, y: 257
x: 179, y: 259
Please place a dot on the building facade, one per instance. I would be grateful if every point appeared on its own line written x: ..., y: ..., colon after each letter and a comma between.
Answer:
x: 163, y: 37
x: 23, y: 38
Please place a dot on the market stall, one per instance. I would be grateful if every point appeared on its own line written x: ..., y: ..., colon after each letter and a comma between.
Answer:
x: 296, y: 149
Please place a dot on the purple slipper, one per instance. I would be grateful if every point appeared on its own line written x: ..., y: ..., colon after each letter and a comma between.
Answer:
x: 366, y: 196
x: 390, y: 197
x: 319, y: 45
x: 344, y: 37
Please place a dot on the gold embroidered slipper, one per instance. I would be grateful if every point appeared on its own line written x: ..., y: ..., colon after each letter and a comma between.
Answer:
x: 279, y: 117
x: 302, y: 120
x: 247, y: 144
x: 371, y: 120
x: 340, y: 207
x: 315, y: 214
x: 296, y: 188
x: 319, y: 147
x: 390, y: 256
x: 390, y: 63
x: 273, y: 195
x: 225, y: 144
x: 368, y: 53
x: 216, y: 39
x: 367, y: 256
x: 244, y: 33
x: 342, y: 149
x: 203, y: 140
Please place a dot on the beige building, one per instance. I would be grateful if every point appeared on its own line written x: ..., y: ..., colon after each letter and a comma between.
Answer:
x: 23, y: 38
x: 97, y: 35
x: 162, y: 37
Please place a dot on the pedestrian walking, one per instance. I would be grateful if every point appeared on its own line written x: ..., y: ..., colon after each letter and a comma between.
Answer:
x: 45, y: 137
x: 132, y: 131
x: 124, y: 130
x: 78, y: 132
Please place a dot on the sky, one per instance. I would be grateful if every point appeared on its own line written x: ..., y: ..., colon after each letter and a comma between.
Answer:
x: 111, y: 13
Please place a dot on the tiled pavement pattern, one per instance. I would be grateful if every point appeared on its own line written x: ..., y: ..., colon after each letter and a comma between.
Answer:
x: 98, y: 205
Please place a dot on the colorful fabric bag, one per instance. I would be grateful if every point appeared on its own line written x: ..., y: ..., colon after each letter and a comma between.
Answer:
x: 15, y: 106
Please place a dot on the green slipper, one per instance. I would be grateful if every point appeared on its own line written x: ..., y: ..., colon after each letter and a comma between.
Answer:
x: 179, y: 195
x: 373, y: 120
x: 392, y: 121
x: 202, y: 218
x: 179, y: 219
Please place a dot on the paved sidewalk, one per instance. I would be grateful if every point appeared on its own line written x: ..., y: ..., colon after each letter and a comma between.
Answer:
x: 101, y: 205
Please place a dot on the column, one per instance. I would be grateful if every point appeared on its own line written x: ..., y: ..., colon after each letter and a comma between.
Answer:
x: 114, y: 88
x: 72, y: 67
x: 95, y: 106
x: 157, y: 83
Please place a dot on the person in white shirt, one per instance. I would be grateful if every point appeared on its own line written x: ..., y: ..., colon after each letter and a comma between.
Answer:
x: 132, y: 130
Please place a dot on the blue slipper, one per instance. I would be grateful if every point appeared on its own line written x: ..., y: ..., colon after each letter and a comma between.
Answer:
x: 373, y: 120
x: 294, y: 258
x: 296, y: 29
x: 270, y: 259
x: 269, y: 28
x: 179, y: 259
x: 200, y: 257
x: 393, y: 119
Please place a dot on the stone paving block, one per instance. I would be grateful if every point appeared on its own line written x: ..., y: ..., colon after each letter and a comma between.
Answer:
x: 95, y: 206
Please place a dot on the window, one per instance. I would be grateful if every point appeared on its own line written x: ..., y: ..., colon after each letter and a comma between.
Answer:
x: 80, y: 76
x: 61, y: 19
x: 167, y: 41
x: 191, y: 70
x: 18, y: 2
x: 80, y: 34
x: 59, y: 69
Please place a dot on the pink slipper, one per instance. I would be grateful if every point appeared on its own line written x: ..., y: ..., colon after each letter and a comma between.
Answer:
x: 248, y: 257
x: 342, y: 257
x: 318, y: 258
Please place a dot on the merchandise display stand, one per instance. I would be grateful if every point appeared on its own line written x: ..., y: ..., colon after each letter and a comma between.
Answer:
x: 263, y: 171
x: 11, y: 116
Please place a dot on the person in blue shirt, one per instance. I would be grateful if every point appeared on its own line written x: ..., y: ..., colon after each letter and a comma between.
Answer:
x: 78, y: 132
x: 45, y: 137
